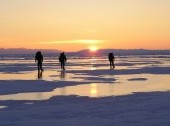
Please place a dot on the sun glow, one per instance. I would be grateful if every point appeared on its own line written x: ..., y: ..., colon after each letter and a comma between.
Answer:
x: 93, y: 48
x: 83, y: 41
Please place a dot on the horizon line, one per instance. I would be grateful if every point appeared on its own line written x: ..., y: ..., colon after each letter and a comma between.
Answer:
x: 83, y: 49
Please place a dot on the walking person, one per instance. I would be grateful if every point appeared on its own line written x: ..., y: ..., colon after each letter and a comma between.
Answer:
x: 39, y: 60
x: 62, y: 59
x: 111, y: 58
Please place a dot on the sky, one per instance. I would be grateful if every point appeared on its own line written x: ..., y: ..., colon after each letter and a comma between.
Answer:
x: 72, y: 25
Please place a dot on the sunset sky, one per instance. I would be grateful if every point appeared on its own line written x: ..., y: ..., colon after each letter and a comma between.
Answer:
x: 72, y: 25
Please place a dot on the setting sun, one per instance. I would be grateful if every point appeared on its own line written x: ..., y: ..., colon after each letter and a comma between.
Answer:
x: 93, y: 48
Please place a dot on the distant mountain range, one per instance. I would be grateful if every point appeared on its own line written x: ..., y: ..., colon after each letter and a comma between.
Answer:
x: 86, y: 52
x: 26, y: 51
x: 119, y: 52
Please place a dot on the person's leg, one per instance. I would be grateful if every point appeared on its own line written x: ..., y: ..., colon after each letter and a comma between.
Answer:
x: 110, y: 64
x: 38, y: 65
x: 63, y: 65
x: 41, y: 66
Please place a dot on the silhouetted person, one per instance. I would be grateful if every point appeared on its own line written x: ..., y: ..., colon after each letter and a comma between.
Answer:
x: 62, y: 59
x: 39, y: 58
x: 111, y: 60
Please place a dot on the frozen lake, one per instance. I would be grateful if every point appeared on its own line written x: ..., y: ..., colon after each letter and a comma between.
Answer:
x: 106, y: 83
x: 23, y: 89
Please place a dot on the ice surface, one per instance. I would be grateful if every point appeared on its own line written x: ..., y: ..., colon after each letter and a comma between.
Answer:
x: 88, y: 93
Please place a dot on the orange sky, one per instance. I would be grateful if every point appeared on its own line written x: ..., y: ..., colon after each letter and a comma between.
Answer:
x: 72, y: 25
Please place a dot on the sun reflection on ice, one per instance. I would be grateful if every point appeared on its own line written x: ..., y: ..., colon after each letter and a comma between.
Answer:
x: 93, y: 90
x: 93, y: 68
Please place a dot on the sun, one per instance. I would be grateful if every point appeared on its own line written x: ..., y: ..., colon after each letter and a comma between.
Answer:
x: 93, y: 48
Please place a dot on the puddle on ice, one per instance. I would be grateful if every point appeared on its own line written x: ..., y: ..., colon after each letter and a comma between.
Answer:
x: 49, y: 75
x: 124, y: 87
